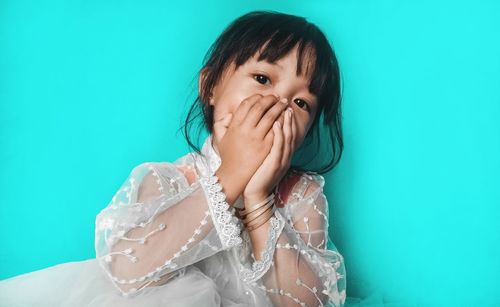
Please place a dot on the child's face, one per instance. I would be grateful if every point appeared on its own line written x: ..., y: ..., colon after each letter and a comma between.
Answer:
x: 265, y: 78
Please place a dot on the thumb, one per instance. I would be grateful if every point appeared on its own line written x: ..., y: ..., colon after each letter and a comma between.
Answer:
x: 226, y: 120
x: 221, y: 125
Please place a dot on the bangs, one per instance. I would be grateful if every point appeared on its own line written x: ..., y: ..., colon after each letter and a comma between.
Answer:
x: 306, y: 56
x: 273, y: 37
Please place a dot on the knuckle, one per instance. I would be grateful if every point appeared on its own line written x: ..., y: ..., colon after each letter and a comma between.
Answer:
x: 253, y: 99
x: 270, y: 98
x: 259, y: 95
x: 251, y: 138
x: 258, y: 107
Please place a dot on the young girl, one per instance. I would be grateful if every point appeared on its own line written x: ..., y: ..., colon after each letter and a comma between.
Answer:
x: 237, y: 223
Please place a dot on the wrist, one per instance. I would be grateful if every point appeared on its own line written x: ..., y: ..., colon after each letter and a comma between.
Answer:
x: 257, y: 211
x: 232, y: 188
x: 254, y: 198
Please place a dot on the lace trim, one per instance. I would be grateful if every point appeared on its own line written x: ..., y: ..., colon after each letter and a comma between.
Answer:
x: 224, y: 220
x: 259, y: 268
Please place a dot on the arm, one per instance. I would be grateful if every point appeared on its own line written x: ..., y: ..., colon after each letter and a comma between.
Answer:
x: 294, y: 266
x: 164, y: 217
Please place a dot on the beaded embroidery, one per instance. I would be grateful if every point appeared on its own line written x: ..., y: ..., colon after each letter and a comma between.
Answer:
x: 327, y: 265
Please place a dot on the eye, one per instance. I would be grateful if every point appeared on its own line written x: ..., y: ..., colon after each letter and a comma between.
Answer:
x: 302, y: 103
x: 261, y: 78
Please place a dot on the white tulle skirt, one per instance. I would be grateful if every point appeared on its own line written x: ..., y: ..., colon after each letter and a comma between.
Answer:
x: 209, y: 283
x: 83, y: 283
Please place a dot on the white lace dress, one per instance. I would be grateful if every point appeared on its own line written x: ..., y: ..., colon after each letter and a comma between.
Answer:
x: 164, y: 242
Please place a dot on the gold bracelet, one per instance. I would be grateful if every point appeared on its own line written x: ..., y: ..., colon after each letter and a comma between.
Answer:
x: 256, y: 213
x: 244, y: 212
x: 258, y: 219
x: 250, y: 228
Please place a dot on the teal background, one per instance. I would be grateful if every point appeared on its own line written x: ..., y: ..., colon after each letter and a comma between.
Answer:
x: 89, y: 89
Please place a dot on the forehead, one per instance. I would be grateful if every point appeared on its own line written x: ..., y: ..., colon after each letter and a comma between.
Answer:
x: 303, y: 64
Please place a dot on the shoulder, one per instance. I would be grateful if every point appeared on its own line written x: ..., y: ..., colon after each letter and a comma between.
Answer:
x: 314, y: 183
x: 146, y: 181
x: 185, y: 168
x: 153, y: 179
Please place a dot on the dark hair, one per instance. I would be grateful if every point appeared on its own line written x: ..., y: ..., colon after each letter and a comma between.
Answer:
x: 278, y: 33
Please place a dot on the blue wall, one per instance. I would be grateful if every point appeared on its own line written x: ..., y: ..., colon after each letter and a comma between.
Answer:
x: 89, y: 89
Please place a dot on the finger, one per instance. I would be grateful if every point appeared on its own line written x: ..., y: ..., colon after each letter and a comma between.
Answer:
x: 287, y: 135
x: 294, y: 134
x: 267, y: 120
x: 221, y: 126
x: 281, y: 118
x: 269, y: 138
x: 277, y: 149
x: 244, y: 106
x: 259, y: 108
x: 225, y: 120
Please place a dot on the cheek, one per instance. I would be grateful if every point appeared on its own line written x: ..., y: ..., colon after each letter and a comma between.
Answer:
x: 231, y: 98
x: 233, y: 91
x: 227, y: 103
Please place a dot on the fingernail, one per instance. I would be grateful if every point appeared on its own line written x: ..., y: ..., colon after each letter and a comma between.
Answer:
x: 289, y: 112
x: 284, y: 100
x: 278, y: 124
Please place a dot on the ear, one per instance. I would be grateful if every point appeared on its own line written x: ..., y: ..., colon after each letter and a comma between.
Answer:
x: 202, y: 82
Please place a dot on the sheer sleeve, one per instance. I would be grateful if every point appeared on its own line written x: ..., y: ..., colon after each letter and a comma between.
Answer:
x: 164, y: 217
x: 297, y: 267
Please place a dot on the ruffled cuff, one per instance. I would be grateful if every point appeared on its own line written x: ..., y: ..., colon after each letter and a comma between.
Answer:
x: 260, y: 267
x: 224, y: 220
